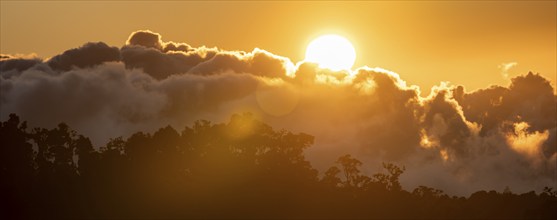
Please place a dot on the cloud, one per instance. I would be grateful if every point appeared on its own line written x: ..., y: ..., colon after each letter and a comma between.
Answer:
x: 145, y: 50
x: 88, y: 55
x: 13, y: 65
x: 527, y: 142
x: 161, y: 65
x: 258, y: 62
x: 505, y: 67
x: 455, y: 140
x: 529, y: 99
x: 145, y: 38
x: 110, y: 100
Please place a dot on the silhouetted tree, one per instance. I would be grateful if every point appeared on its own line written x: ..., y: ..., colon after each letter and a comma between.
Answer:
x: 16, y: 166
x: 427, y: 192
x: 389, y: 180
x: 240, y: 169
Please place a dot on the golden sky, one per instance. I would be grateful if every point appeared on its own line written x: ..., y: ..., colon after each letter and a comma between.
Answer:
x: 465, y: 43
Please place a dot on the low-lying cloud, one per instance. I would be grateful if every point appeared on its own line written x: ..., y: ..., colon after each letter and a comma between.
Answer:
x: 455, y: 140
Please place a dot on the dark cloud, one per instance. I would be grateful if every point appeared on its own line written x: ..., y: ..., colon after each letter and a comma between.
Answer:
x: 172, y: 46
x: 193, y: 95
x: 529, y: 99
x: 444, y: 122
x: 258, y: 62
x: 160, y: 65
x: 145, y: 38
x: 532, y: 100
x: 110, y: 100
x: 88, y: 55
x: 455, y: 140
x: 146, y: 50
x: 483, y: 106
x: 305, y: 73
x: 393, y: 106
x: 10, y: 65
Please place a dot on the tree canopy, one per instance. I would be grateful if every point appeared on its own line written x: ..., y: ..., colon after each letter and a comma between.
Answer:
x: 240, y: 169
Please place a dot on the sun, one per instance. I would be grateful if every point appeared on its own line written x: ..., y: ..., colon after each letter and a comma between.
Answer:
x: 332, y: 52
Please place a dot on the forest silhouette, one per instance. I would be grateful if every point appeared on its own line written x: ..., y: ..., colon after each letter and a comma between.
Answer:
x: 239, y: 169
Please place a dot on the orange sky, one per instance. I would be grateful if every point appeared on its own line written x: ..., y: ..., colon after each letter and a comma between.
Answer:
x: 425, y: 42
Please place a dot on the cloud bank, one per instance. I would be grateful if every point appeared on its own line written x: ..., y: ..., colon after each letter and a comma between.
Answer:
x: 455, y: 140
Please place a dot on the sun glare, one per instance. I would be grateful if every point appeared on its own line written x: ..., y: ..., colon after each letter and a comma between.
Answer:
x: 332, y: 52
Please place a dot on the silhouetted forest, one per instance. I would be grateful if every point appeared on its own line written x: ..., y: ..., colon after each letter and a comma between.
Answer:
x: 240, y: 169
